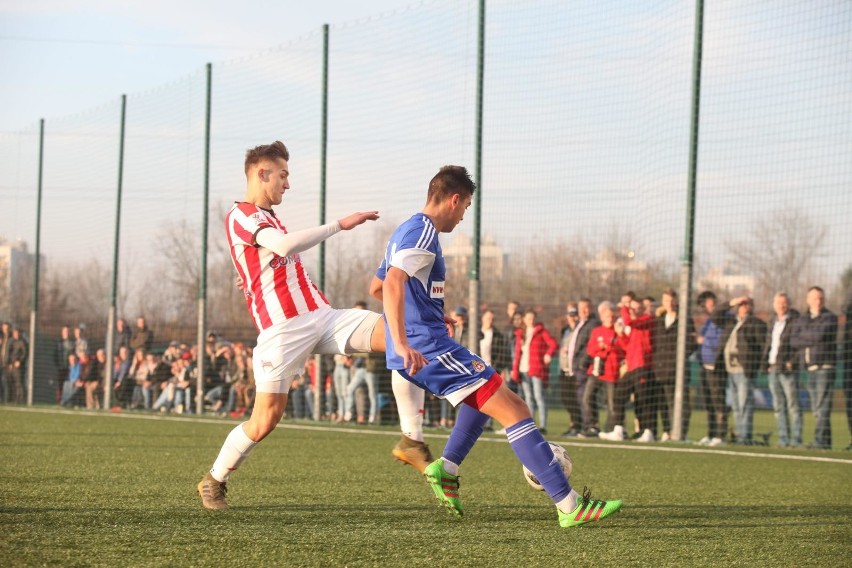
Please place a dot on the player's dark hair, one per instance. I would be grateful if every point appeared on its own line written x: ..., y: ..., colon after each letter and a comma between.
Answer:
x: 448, y: 181
x: 670, y: 292
x: 817, y: 288
x: 272, y: 151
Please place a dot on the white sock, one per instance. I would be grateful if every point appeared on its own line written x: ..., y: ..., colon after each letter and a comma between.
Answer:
x: 234, y: 451
x: 450, y: 467
x: 409, y: 404
x: 568, y: 504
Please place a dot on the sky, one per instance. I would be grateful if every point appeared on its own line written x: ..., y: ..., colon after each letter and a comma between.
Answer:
x: 586, y: 116
x: 59, y: 57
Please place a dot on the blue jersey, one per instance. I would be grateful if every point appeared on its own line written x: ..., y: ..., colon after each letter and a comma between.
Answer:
x: 414, y: 249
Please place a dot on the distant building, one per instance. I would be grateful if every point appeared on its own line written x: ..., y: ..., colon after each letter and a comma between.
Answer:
x: 610, y: 265
x: 458, y: 257
x: 729, y: 282
x: 16, y: 280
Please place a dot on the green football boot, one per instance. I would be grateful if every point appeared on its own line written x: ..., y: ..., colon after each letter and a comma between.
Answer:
x: 445, y: 486
x: 588, y: 511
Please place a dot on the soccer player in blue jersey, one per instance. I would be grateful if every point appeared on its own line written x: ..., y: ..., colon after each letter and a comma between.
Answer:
x: 410, y: 281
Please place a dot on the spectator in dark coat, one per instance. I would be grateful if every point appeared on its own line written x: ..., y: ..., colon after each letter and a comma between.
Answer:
x: 779, y: 360
x: 18, y: 352
x: 142, y: 337
x: 815, y: 339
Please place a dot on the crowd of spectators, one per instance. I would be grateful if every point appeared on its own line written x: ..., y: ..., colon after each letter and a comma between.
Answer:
x: 626, y: 352
x: 608, y: 357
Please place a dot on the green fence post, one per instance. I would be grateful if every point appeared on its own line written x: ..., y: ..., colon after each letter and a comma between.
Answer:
x: 110, y: 338
x: 684, y: 315
x: 202, y: 288
x: 474, y: 284
x: 36, y: 266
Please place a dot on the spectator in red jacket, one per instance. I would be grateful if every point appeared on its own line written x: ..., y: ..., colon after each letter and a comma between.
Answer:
x: 606, y: 353
x: 635, y: 373
x: 534, y: 348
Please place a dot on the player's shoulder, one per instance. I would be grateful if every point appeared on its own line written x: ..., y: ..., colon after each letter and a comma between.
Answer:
x: 417, y: 231
x: 249, y: 212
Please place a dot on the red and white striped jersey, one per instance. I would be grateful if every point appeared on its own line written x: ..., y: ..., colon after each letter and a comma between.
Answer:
x: 276, y: 288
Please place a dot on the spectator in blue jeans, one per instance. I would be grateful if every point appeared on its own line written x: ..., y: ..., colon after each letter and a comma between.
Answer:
x: 814, y: 337
x: 779, y: 360
x: 741, y: 349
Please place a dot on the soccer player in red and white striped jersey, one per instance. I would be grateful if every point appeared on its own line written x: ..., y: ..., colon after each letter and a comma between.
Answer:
x: 293, y: 318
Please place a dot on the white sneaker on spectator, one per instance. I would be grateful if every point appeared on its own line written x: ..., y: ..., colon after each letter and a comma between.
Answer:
x: 665, y: 437
x: 647, y: 436
x: 705, y: 441
x: 716, y: 442
x: 617, y: 434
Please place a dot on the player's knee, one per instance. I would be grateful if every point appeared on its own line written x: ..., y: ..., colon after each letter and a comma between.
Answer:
x: 263, y: 422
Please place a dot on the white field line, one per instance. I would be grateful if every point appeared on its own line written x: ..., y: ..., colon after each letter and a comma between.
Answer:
x: 430, y: 434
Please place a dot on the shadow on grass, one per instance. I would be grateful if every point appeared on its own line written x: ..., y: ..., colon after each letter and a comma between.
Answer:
x: 734, y: 516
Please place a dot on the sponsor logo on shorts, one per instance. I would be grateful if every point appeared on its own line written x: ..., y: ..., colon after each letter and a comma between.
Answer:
x: 437, y: 290
x: 266, y: 365
x: 478, y: 366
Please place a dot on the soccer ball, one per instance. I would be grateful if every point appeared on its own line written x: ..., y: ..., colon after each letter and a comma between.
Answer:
x: 564, y: 460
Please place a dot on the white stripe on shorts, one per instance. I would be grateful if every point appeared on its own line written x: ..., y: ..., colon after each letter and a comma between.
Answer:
x: 451, y: 363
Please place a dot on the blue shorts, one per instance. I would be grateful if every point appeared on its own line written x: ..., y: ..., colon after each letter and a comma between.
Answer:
x: 453, y: 374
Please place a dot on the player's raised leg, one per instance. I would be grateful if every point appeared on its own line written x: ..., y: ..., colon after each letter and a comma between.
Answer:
x: 267, y: 413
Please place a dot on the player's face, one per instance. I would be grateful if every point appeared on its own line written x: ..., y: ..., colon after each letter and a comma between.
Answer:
x: 457, y: 214
x: 275, y: 180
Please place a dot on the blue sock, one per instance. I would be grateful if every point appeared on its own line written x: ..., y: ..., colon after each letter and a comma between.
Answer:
x: 535, y: 453
x: 468, y: 428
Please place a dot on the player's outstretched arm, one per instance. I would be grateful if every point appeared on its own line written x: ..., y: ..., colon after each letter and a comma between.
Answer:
x: 286, y: 244
x: 352, y: 221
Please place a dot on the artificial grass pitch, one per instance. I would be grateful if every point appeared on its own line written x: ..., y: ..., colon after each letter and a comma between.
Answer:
x: 104, y: 490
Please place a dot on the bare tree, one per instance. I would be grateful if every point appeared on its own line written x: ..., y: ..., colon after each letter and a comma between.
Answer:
x: 780, y: 253
x: 77, y: 292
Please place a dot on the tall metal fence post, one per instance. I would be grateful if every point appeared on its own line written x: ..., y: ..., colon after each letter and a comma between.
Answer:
x: 474, y: 284
x: 36, y: 266
x: 110, y: 337
x: 684, y: 312
x: 318, y: 386
x: 202, y: 287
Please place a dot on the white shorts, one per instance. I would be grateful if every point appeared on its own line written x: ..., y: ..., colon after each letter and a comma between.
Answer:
x: 283, y: 349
